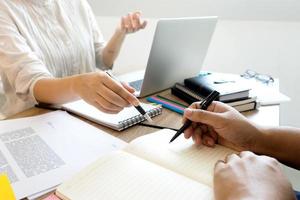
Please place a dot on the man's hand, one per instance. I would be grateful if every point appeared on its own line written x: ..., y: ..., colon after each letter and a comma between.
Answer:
x: 221, y: 124
x: 248, y: 176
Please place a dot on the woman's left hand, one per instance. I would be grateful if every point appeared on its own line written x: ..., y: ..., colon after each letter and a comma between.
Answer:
x: 132, y: 23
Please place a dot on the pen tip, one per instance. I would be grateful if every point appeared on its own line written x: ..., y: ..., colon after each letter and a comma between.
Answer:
x: 148, y: 118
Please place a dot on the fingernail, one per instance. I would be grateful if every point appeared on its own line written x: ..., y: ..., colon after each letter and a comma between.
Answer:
x: 185, y: 136
x: 136, y: 102
x: 198, y: 140
x: 128, y: 105
x: 188, y: 112
x: 210, y: 142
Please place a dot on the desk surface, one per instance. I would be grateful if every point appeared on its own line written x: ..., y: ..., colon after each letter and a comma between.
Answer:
x: 267, y: 115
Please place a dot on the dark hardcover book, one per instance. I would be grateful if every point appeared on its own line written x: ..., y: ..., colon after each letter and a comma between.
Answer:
x: 231, y: 87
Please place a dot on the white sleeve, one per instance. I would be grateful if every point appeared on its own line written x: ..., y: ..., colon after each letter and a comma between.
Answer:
x: 18, y: 62
x: 99, y: 42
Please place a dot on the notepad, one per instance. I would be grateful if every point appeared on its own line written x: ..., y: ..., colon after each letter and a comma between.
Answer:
x: 129, y: 116
x: 149, y: 168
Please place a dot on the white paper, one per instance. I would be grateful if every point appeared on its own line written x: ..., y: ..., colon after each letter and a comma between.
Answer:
x: 122, y: 176
x: 267, y: 94
x: 181, y: 156
x: 40, y: 152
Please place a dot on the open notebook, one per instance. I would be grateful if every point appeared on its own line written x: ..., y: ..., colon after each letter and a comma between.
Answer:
x: 148, y: 168
x: 127, y: 117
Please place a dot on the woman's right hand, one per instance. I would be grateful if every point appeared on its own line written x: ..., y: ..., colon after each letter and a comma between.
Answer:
x: 221, y: 124
x: 101, y: 91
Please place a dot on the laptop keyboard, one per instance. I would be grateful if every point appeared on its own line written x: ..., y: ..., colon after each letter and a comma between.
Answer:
x: 137, y: 85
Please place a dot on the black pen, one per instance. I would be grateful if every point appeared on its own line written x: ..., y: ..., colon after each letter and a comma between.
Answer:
x: 138, y: 107
x: 203, y: 105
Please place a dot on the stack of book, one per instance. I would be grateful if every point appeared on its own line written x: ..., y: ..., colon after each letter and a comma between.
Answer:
x: 233, y: 90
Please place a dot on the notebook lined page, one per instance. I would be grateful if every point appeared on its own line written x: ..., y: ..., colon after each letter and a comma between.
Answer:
x: 181, y: 156
x: 82, y: 108
x: 122, y: 176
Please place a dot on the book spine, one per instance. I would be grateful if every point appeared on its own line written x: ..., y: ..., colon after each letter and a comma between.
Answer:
x: 182, y: 95
x: 246, y: 107
x: 189, y: 92
x: 202, y: 91
x: 139, y: 118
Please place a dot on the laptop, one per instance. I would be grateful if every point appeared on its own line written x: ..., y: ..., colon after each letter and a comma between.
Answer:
x: 178, y: 51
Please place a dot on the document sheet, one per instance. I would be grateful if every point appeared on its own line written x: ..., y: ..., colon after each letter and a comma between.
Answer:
x: 38, y: 153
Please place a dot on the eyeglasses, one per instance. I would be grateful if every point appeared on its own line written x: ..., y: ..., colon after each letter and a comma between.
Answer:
x: 248, y: 74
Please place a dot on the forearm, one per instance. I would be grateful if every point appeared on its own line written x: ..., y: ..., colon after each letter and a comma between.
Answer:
x: 282, y: 143
x: 55, y: 90
x: 112, y: 49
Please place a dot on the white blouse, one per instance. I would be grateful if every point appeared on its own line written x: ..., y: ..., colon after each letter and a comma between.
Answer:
x: 44, y: 38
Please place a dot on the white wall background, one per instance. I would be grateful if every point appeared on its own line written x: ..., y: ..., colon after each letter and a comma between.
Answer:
x: 263, y: 35
x: 226, y: 9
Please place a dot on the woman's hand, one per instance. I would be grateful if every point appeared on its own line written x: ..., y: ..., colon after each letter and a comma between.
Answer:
x: 221, y: 124
x: 129, y: 24
x: 132, y: 23
x: 248, y: 176
x: 101, y: 91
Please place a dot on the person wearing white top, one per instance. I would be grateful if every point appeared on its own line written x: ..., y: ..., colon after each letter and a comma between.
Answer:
x: 49, y: 51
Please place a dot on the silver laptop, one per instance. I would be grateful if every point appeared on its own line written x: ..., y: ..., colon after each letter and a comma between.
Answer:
x: 178, y: 50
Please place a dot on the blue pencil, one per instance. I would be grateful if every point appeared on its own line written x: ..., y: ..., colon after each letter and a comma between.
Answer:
x: 167, y: 105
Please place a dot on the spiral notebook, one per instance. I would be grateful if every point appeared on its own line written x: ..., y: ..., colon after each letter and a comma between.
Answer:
x: 127, y: 117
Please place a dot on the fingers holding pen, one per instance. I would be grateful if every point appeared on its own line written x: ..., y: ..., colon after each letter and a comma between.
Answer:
x: 193, y: 116
x: 118, y: 88
x: 110, y: 96
x: 201, y: 135
x: 101, y: 91
x: 128, y: 87
x: 200, y: 132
